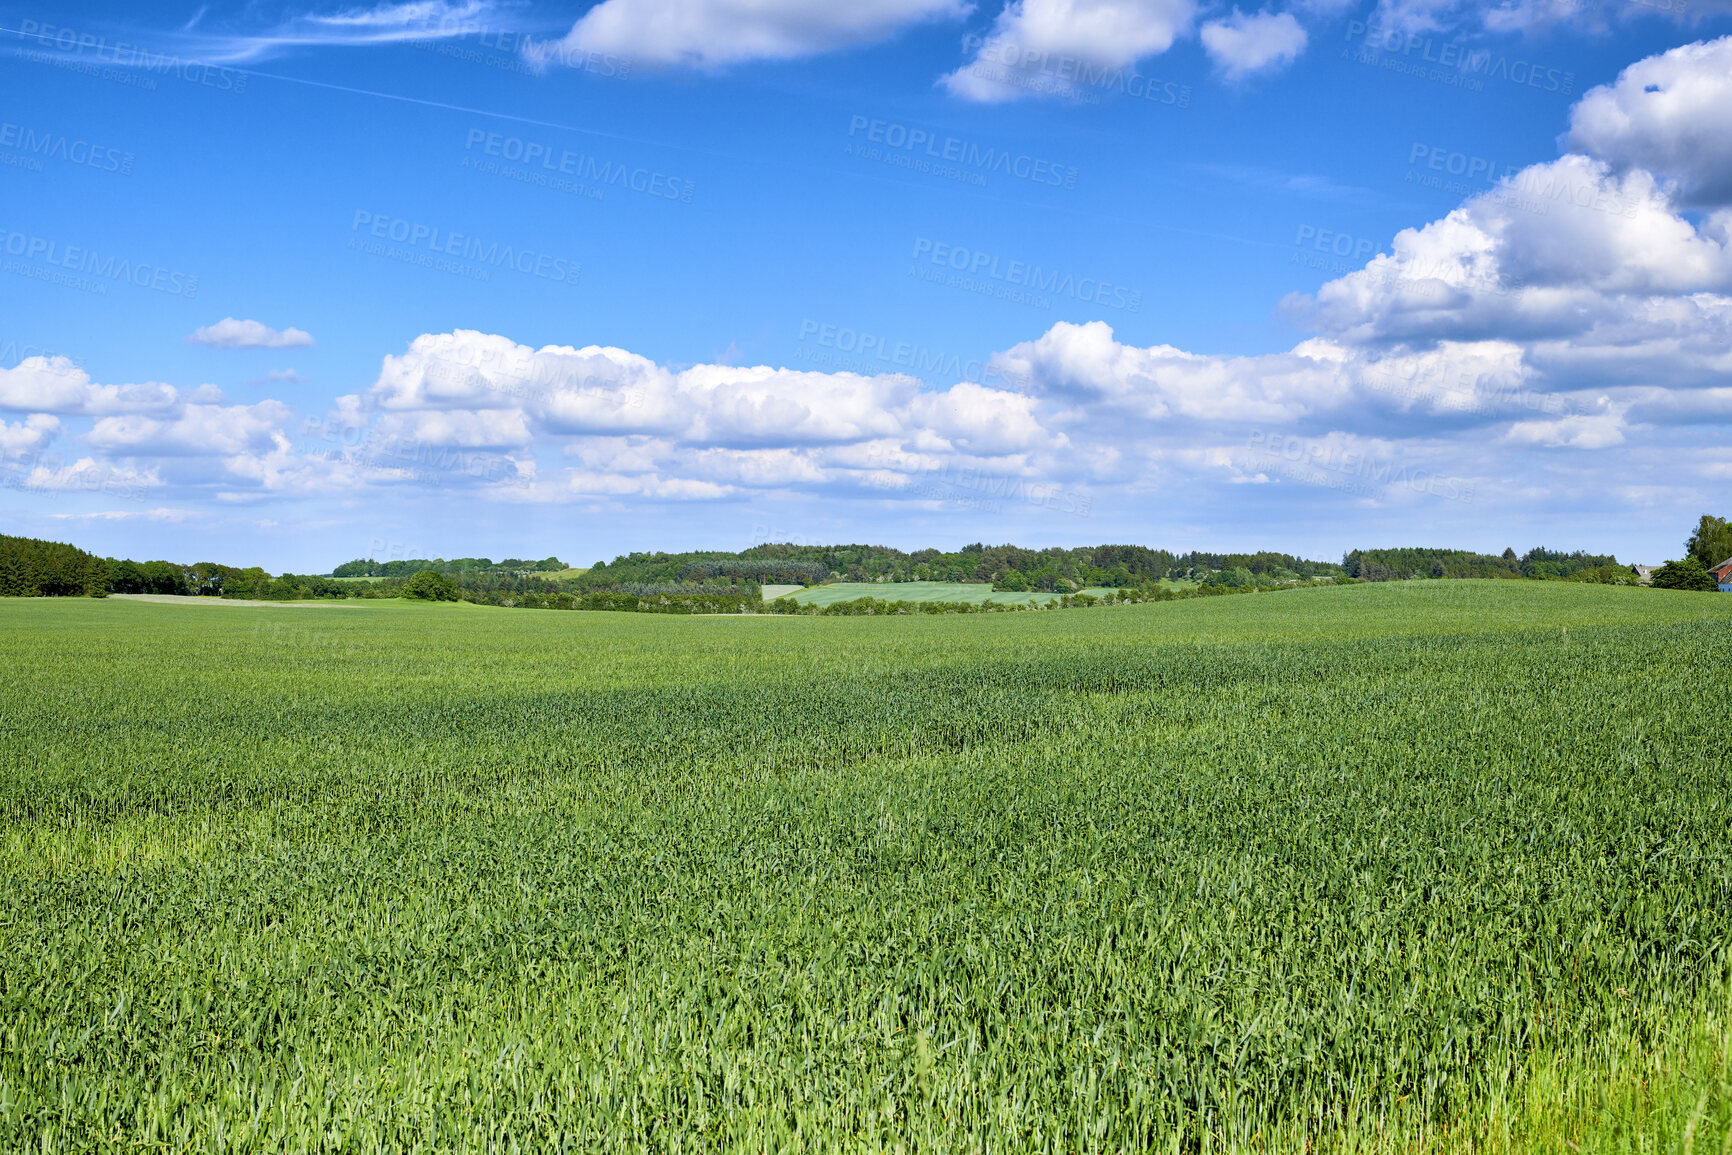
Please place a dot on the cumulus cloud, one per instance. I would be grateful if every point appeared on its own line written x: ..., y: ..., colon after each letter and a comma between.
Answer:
x: 605, y: 390
x: 630, y: 426
x: 90, y: 475
x: 1050, y: 47
x: 1554, y: 252
x: 1241, y: 45
x: 1671, y: 115
x: 57, y: 385
x: 26, y: 438
x: 229, y: 333
x: 198, y: 430
x: 705, y: 33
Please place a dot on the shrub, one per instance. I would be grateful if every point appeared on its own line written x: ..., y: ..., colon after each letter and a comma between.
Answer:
x: 1685, y: 574
x: 432, y: 586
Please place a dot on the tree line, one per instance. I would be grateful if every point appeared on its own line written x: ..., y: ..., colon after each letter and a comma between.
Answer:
x: 719, y: 581
x: 30, y: 568
x: 1007, y: 567
x: 1409, y: 564
x: 367, y: 567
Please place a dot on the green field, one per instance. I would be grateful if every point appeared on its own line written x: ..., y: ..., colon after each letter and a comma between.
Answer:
x: 1397, y: 867
x: 974, y: 593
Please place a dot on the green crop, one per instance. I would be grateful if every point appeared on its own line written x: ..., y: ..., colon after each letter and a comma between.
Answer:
x: 1398, y: 867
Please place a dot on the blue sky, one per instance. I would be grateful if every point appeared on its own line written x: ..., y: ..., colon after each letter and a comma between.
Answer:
x: 289, y: 284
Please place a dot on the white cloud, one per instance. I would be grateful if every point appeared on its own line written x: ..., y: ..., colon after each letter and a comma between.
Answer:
x: 465, y: 428
x: 91, y: 475
x: 160, y: 513
x: 1670, y: 114
x: 418, y: 15
x: 56, y: 385
x: 229, y: 333
x: 1241, y: 45
x: 706, y: 33
x: 25, y: 438
x: 359, y: 27
x: 604, y: 390
x: 1046, y: 47
x: 1534, y: 15
x: 197, y: 430
x: 1552, y: 253
x: 1586, y: 431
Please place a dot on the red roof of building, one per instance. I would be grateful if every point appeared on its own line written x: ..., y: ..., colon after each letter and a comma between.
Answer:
x: 1724, y: 570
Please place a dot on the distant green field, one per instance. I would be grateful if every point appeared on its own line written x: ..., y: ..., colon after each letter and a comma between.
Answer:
x: 368, y: 580
x: 973, y: 593
x: 1394, y: 869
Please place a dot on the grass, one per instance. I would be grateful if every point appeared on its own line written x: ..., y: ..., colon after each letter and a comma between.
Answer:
x: 1428, y: 867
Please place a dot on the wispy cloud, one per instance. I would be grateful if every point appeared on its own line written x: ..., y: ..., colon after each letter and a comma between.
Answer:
x: 351, y: 27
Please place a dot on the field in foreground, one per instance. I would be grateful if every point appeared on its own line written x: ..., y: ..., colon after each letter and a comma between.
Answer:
x: 1438, y: 866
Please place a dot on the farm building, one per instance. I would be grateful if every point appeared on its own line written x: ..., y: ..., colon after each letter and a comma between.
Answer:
x: 1723, y: 574
x: 1644, y: 573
